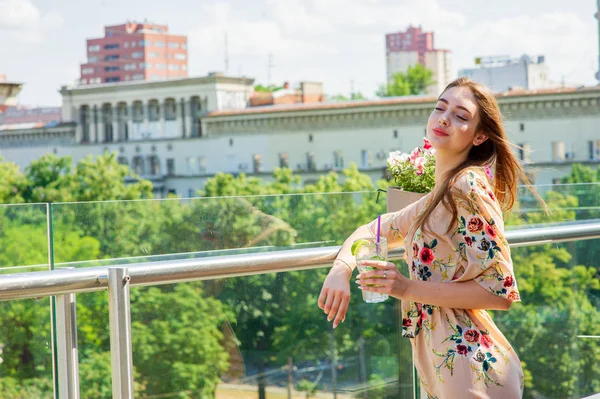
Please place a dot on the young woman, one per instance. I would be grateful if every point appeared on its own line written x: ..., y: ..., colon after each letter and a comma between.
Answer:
x: 459, y: 260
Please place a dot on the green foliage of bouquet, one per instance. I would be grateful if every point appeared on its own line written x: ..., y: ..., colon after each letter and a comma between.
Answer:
x: 414, y: 172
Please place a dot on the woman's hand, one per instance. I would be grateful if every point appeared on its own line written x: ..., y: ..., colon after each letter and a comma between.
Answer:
x: 386, y: 279
x: 335, y: 294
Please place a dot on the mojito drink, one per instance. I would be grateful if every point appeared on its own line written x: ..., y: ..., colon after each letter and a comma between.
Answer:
x: 369, y: 249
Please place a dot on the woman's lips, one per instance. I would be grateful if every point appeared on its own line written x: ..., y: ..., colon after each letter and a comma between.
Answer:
x: 440, y: 132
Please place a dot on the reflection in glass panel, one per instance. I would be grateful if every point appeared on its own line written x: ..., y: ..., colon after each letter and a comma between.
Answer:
x: 178, y: 228
x: 556, y: 328
x: 25, y: 334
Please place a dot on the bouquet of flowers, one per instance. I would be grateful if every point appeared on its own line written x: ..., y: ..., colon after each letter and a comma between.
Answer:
x: 414, y: 172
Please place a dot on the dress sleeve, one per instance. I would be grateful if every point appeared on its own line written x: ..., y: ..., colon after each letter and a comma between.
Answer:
x: 479, y: 238
x: 395, y: 225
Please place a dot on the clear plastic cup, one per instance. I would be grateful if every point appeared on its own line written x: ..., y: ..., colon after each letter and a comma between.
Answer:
x: 369, y: 249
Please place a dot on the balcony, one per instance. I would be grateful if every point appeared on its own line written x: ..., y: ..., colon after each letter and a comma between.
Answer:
x: 217, y: 297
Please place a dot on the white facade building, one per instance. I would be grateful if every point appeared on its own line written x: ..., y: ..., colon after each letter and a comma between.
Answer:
x: 438, y: 61
x: 504, y: 74
x: 164, y: 109
x: 554, y: 129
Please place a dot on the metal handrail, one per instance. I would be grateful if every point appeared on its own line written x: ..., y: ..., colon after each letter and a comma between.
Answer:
x: 59, y: 282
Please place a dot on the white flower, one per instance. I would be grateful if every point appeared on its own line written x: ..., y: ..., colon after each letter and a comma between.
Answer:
x: 395, y: 158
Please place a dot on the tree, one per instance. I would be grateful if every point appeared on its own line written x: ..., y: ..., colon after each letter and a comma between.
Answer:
x: 342, y: 98
x: 267, y: 88
x: 415, y: 81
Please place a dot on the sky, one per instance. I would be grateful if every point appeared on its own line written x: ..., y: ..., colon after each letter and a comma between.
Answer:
x: 337, y: 42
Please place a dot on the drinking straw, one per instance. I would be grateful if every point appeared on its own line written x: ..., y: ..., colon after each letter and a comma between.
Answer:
x: 378, y: 233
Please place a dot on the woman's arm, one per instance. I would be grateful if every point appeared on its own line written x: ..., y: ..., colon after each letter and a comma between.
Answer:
x: 457, y: 295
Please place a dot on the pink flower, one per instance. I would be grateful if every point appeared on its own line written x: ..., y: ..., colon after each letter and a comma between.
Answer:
x: 426, y: 256
x: 426, y: 144
x: 419, y: 166
x: 485, y: 340
x: 488, y: 172
x: 415, y: 154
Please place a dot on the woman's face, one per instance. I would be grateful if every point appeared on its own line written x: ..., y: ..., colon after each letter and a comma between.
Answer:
x: 452, y: 126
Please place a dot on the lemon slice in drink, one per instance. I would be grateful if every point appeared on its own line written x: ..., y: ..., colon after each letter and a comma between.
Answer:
x: 356, y: 246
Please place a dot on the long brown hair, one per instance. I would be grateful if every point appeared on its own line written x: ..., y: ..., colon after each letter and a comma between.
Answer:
x: 494, y: 153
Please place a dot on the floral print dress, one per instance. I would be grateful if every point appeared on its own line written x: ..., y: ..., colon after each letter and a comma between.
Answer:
x: 459, y: 353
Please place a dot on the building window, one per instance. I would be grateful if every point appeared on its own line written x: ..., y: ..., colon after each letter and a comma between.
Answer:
x: 126, y: 44
x: 92, y: 60
x: 366, y: 158
x: 159, y: 44
x: 153, y: 55
x: 144, y: 43
x: 558, y: 151
x: 184, y: 67
x: 87, y: 71
x: 111, y: 69
x: 129, y: 67
x: 173, y: 67
x: 138, y: 165
x: 111, y: 57
x: 138, y: 112
x: 112, y: 79
x: 137, y: 76
x: 154, y: 165
x: 594, y: 149
x: 310, y: 161
x: 170, y: 109
x: 180, y: 56
x: 111, y: 46
x: 153, y: 111
x: 123, y: 160
x: 170, y: 166
x: 137, y: 54
x: 184, y: 46
x: 338, y: 159
x: 257, y: 163
x: 173, y: 45
x: 196, y: 165
x: 284, y: 160
x: 192, y: 165
x: 524, y: 151
x: 159, y: 66
x: 93, y: 48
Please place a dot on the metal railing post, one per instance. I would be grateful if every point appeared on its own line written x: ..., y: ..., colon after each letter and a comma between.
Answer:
x: 120, y: 333
x: 67, y: 353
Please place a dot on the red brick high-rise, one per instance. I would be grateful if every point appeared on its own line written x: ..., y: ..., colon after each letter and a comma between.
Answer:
x: 135, y: 51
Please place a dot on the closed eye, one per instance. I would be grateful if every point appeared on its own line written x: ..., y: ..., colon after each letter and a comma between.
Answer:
x: 439, y: 109
x: 461, y: 118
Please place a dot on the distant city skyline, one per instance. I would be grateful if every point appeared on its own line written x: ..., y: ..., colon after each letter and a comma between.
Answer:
x: 339, y: 43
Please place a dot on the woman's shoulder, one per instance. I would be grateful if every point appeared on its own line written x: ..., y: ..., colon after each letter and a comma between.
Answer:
x: 472, y: 179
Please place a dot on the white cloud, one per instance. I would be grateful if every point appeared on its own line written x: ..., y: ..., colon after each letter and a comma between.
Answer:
x: 569, y: 43
x: 22, y: 21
